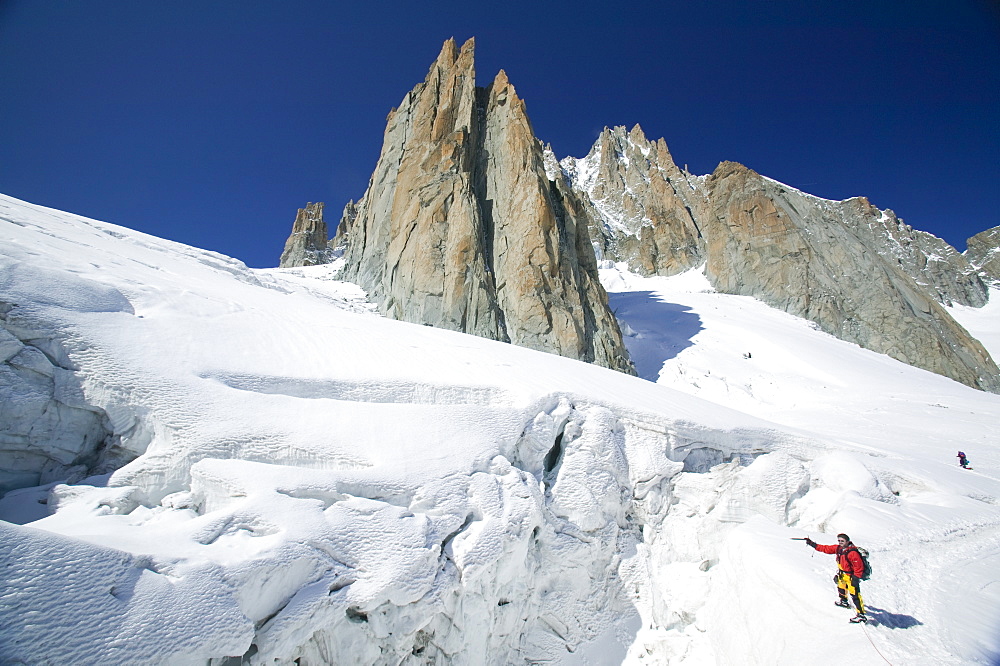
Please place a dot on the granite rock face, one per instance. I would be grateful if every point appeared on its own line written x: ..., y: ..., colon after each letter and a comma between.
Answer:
x: 860, y: 273
x: 804, y: 255
x: 937, y: 267
x: 307, y: 246
x: 461, y: 228
x: 649, y: 212
x: 469, y: 223
x: 415, y: 240
x: 983, y: 254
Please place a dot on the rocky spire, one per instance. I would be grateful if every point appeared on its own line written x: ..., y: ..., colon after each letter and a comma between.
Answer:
x: 647, y: 209
x: 469, y: 224
x: 307, y: 245
x: 461, y: 228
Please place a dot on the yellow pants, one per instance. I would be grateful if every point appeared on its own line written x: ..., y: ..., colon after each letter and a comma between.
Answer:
x: 845, y: 588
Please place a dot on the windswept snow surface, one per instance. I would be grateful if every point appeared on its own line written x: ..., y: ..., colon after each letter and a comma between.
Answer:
x: 311, y: 482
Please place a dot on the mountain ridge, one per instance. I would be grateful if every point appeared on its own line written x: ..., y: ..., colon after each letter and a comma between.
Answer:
x: 630, y: 200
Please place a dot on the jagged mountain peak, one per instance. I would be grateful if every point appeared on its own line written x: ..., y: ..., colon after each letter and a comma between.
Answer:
x: 462, y: 228
x: 450, y: 53
x: 501, y: 80
x: 728, y: 168
x: 880, y: 284
x: 470, y: 223
x: 637, y: 135
x: 306, y: 246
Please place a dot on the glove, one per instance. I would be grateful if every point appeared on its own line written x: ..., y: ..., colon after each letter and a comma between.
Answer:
x: 854, y: 582
x: 810, y: 542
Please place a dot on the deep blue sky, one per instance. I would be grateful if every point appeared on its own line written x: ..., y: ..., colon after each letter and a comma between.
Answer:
x: 210, y: 123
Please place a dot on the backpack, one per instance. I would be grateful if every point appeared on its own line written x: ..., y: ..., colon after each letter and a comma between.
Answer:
x: 864, y: 558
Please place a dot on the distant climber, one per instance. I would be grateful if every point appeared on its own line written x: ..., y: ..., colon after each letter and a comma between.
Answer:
x: 848, y: 579
x: 963, y: 460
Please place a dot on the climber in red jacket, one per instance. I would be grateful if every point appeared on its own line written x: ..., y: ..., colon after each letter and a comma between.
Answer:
x: 848, y: 578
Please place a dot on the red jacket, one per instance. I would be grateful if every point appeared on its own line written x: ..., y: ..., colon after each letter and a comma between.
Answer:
x: 848, y: 558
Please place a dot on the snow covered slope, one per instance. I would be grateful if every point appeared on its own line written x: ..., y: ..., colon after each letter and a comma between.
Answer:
x: 313, y: 482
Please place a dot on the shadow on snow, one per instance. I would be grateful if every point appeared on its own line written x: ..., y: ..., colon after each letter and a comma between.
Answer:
x: 654, y: 330
x: 892, y: 620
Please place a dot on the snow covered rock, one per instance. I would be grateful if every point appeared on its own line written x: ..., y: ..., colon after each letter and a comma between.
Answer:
x: 648, y: 212
x: 984, y: 253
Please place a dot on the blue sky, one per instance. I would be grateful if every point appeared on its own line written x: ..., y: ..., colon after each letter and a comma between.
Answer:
x: 210, y: 123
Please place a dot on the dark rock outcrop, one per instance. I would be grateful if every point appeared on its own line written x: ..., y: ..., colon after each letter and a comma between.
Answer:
x: 307, y: 246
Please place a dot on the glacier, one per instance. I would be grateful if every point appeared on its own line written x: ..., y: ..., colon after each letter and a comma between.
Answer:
x: 207, y: 463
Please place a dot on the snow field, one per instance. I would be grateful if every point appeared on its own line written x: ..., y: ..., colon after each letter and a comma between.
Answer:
x: 311, y: 482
